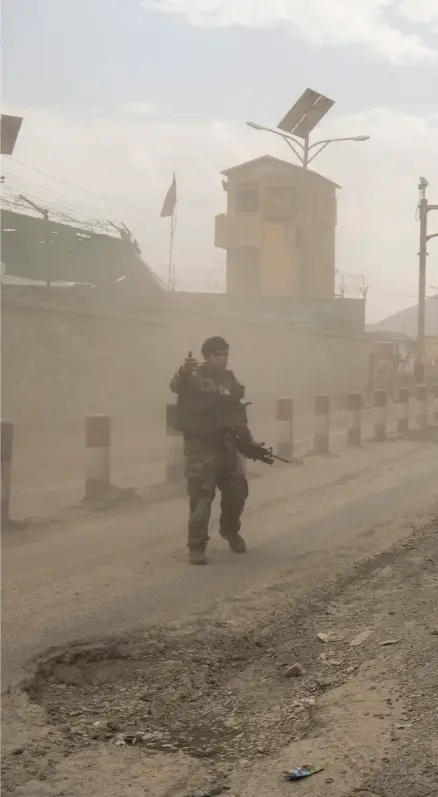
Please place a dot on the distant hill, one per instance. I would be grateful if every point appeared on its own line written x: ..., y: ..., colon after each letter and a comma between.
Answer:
x: 405, y: 322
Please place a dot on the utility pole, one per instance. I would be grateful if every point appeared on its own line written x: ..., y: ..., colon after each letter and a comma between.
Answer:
x: 435, y: 288
x: 420, y: 365
x: 423, y: 209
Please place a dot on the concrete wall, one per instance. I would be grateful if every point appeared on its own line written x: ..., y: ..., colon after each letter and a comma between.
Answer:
x: 344, y: 316
x: 59, y: 364
x: 274, y: 359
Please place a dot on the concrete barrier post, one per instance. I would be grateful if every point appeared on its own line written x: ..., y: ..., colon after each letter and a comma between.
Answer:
x: 422, y: 409
x: 435, y: 403
x: 419, y: 373
x: 7, y: 440
x: 322, y: 424
x: 285, y: 437
x: 174, y: 449
x: 403, y: 410
x: 380, y: 415
x: 354, y: 405
x: 98, y: 466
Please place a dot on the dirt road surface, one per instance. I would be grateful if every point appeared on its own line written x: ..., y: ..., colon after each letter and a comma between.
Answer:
x: 192, y: 664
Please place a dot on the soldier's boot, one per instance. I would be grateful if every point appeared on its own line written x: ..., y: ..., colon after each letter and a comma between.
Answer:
x: 197, y: 556
x: 235, y: 541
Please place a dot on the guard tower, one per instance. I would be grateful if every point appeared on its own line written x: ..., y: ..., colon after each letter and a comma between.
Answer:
x: 278, y: 231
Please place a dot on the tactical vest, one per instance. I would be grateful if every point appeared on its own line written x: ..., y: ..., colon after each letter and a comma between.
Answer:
x: 208, y: 406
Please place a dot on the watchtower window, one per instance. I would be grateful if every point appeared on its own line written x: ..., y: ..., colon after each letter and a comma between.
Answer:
x: 248, y: 200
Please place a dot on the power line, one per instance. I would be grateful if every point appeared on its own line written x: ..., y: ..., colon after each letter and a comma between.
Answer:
x: 64, y: 213
x: 70, y: 209
x: 116, y: 203
x: 156, y: 228
x: 45, y: 192
x: 61, y: 210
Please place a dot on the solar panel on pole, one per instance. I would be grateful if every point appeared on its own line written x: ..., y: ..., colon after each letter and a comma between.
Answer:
x: 308, y: 110
x: 9, y: 130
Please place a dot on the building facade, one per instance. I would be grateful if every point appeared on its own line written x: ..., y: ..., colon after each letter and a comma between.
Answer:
x: 278, y: 231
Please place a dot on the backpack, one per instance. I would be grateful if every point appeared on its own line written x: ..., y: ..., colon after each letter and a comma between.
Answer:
x: 173, y: 416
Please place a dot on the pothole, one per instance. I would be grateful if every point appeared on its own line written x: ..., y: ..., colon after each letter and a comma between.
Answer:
x: 209, y: 690
x: 212, y: 696
x: 163, y: 694
x: 171, y: 693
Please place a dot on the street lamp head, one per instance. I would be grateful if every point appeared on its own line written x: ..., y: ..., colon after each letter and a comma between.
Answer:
x: 255, y: 126
x: 361, y: 138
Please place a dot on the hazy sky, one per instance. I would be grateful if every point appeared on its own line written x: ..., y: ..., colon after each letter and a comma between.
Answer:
x: 116, y: 94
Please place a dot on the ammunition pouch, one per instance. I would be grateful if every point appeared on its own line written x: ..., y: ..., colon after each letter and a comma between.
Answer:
x: 206, y: 413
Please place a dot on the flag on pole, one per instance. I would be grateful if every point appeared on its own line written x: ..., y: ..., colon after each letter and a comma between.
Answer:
x: 169, y: 203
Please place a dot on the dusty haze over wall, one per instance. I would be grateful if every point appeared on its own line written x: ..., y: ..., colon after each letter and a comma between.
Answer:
x: 60, y: 363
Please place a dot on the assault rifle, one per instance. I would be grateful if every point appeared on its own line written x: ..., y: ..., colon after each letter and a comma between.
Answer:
x: 259, y: 453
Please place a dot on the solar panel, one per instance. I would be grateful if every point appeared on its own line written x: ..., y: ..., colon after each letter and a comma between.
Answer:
x: 9, y: 130
x: 308, y: 110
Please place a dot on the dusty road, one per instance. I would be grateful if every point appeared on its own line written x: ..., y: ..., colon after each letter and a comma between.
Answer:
x: 200, y: 665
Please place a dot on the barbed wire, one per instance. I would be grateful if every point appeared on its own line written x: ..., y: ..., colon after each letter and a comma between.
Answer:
x: 134, y: 212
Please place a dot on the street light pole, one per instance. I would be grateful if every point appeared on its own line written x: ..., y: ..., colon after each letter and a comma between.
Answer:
x: 304, y: 151
x: 306, y: 148
x: 423, y: 209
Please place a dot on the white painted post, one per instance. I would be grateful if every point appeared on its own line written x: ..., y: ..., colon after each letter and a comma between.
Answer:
x: 380, y: 414
x: 422, y: 409
x: 322, y: 424
x: 98, y: 466
x: 7, y: 440
x: 354, y: 404
x: 285, y: 438
x: 403, y: 410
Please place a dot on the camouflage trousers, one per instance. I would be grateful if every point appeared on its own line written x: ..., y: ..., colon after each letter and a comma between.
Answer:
x: 210, y: 466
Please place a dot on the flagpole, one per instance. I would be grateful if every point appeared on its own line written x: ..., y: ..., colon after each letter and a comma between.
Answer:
x: 169, y: 211
x: 171, y: 276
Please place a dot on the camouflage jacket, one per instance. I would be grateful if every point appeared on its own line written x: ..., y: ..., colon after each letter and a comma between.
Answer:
x: 209, y: 402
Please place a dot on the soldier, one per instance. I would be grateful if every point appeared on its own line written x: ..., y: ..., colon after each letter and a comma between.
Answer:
x: 211, y: 415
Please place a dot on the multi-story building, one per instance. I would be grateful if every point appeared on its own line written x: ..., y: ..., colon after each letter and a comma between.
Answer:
x: 278, y: 231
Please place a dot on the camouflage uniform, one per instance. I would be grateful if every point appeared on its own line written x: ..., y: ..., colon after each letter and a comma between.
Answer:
x: 211, y: 457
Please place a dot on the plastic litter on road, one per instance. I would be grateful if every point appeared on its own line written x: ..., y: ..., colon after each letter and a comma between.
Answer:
x: 297, y: 773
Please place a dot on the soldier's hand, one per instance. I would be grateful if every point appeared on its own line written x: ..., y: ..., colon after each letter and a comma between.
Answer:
x: 190, y: 364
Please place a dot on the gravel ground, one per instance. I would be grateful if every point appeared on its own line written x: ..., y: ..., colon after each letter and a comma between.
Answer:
x: 345, y: 677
